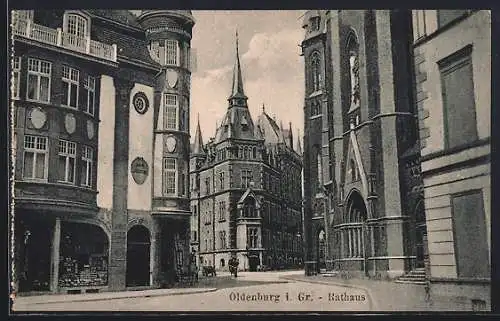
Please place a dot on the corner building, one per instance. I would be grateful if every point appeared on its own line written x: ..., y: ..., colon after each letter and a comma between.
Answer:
x: 245, y: 189
x: 452, y: 50
x: 101, y: 143
x: 363, y: 198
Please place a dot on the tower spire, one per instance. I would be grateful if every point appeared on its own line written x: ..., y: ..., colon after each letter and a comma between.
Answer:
x: 237, y: 89
x: 198, y: 140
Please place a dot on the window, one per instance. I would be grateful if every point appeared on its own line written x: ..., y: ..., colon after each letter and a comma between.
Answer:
x: 35, y: 157
x: 471, y: 243
x: 315, y: 23
x: 222, y: 211
x: 353, y: 52
x: 207, y: 184
x: 16, y: 74
x: 253, y: 238
x: 419, y: 23
x: 352, y: 170
x: 39, y: 72
x: 171, y: 105
x: 254, y: 152
x: 221, y: 180
x: 208, y: 218
x: 447, y: 16
x: 194, y: 236
x: 87, y: 165
x: 316, y: 71
x: 67, y: 161
x: 222, y: 237
x: 169, y: 176
x: 246, y: 178
x: 245, y: 152
x: 76, y: 25
x: 171, y: 52
x: 89, y: 95
x: 458, y: 98
x: 70, y: 85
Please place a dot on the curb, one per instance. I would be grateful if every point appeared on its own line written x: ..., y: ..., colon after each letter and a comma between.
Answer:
x: 373, y: 303
x: 143, y: 295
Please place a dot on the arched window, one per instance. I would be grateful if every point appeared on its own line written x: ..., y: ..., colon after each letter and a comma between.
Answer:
x: 320, y: 169
x: 353, y: 54
x: 316, y: 71
x: 254, y: 152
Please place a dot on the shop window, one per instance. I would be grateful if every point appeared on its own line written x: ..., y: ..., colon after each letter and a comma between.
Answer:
x: 89, y: 95
x: 67, y: 161
x: 458, y: 98
x: 70, y: 86
x: 39, y: 72
x: 35, y: 157
x: 169, y: 176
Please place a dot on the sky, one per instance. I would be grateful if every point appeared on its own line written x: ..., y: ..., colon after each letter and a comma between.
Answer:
x: 272, y: 68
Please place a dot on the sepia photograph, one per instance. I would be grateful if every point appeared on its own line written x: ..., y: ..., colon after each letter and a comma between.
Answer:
x: 250, y: 160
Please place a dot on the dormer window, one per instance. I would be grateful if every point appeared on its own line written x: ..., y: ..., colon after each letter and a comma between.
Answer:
x: 76, y: 24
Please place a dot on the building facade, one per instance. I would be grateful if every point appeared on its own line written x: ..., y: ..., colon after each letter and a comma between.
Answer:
x: 363, y: 196
x: 100, y: 104
x: 452, y: 50
x: 246, y: 189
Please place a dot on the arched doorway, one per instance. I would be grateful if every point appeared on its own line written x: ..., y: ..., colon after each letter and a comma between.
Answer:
x: 138, y: 247
x: 354, y: 233
x: 321, y: 249
x: 420, y: 234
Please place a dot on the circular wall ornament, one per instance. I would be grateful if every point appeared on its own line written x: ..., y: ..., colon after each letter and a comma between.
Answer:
x: 38, y: 117
x: 140, y: 170
x: 70, y: 123
x: 172, y: 77
x: 90, y: 129
x: 141, y: 103
x: 171, y: 143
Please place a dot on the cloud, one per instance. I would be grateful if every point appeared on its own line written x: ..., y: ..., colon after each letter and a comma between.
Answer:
x: 273, y: 74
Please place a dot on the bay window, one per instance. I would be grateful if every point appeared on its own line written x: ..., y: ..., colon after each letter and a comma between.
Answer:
x: 66, y: 161
x: 35, y: 164
x: 39, y: 72
x: 70, y: 85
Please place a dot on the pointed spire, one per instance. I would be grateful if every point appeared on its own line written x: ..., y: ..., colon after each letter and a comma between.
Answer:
x: 299, y: 147
x: 290, y: 139
x: 237, y: 89
x: 198, y: 140
x: 263, y: 108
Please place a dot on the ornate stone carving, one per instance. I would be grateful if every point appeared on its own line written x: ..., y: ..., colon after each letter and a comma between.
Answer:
x: 122, y: 92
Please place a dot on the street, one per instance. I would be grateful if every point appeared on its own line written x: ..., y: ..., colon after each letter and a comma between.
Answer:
x: 251, y: 291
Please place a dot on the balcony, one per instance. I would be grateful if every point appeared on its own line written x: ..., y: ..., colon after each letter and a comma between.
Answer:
x: 56, y: 37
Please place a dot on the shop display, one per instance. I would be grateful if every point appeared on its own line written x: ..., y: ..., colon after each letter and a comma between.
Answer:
x: 74, y: 274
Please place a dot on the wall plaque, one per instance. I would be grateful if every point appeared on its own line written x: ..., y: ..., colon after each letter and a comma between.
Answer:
x: 70, y: 123
x: 140, y: 170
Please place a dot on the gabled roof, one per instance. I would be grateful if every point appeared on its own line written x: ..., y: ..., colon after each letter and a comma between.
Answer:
x: 122, y: 16
x: 249, y: 192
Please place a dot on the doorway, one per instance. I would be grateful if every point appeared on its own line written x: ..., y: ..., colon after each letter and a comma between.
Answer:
x: 253, y: 262
x: 138, y: 255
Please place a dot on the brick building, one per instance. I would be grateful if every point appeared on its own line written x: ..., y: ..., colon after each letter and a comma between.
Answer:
x: 363, y: 196
x: 101, y: 143
x: 452, y: 50
x: 246, y: 189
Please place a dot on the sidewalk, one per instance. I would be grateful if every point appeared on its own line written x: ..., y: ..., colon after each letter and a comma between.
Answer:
x: 61, y: 298
x: 391, y: 296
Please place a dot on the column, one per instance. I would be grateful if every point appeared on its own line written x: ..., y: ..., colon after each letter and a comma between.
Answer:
x: 56, y: 242
x: 118, y: 259
x: 154, y: 264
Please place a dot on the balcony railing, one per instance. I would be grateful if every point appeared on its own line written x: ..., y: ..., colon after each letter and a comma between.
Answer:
x: 28, y: 29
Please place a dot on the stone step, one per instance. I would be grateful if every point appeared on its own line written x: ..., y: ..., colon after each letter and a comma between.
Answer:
x: 410, y: 282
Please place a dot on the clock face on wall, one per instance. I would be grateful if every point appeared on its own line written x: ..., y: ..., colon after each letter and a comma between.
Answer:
x: 171, y: 144
x: 172, y: 77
